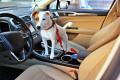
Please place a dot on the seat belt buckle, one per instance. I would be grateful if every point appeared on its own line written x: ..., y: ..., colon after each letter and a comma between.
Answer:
x: 73, y: 50
x: 73, y: 74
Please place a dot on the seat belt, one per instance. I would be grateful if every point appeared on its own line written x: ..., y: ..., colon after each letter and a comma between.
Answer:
x: 73, y: 74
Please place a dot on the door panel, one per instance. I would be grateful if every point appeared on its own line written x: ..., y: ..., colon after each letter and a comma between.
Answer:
x: 84, y: 22
x: 83, y: 27
x: 82, y: 31
x: 87, y: 17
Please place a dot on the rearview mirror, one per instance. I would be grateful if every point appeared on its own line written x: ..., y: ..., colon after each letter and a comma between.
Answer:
x: 63, y: 5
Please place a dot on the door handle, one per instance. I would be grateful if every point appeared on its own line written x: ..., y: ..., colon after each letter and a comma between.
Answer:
x: 81, y: 14
x: 72, y: 28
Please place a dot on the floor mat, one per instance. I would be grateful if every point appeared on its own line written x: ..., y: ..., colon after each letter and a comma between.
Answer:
x: 7, y: 73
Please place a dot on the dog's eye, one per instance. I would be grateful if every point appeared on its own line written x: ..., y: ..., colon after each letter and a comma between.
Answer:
x: 43, y: 19
x: 36, y: 19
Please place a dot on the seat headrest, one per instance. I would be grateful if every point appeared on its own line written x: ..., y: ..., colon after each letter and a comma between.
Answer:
x: 118, y: 8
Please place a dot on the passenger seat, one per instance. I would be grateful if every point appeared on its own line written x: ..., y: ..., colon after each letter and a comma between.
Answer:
x: 101, y: 37
x: 98, y: 39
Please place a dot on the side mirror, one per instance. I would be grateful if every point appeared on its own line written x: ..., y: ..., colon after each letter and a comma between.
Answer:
x: 63, y: 5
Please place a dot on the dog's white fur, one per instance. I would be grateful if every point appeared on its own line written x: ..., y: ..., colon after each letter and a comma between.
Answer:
x: 51, y: 33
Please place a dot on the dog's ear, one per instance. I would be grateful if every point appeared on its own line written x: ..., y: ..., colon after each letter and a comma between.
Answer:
x: 34, y: 13
x: 49, y: 14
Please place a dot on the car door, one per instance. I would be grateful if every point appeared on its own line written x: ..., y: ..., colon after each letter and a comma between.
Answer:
x: 87, y: 17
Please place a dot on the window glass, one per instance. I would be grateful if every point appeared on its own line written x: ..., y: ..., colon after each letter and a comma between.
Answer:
x: 18, y: 3
x: 25, y: 3
x: 86, y: 4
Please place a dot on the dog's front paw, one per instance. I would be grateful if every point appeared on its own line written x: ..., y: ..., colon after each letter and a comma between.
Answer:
x: 46, y: 54
x: 51, y: 56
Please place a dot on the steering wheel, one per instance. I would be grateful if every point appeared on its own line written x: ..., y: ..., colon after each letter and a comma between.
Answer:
x: 15, y: 46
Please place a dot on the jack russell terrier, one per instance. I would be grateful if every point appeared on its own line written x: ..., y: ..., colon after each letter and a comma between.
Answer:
x: 50, y: 30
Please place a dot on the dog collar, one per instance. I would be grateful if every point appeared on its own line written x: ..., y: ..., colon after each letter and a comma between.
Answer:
x: 51, y: 26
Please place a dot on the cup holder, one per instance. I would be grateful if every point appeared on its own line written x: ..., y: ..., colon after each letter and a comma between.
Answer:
x: 66, y: 58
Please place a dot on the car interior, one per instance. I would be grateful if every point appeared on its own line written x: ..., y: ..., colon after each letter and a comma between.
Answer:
x: 94, y: 35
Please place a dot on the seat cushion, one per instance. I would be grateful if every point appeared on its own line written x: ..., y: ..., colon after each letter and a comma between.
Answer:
x: 42, y: 72
x: 70, y: 45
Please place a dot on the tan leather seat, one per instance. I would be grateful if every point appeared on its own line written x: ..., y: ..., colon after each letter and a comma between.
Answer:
x: 98, y: 39
x: 42, y: 72
x: 101, y: 37
x: 95, y: 62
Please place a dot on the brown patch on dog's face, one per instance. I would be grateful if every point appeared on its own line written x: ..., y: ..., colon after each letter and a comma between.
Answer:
x: 36, y: 18
x: 35, y: 14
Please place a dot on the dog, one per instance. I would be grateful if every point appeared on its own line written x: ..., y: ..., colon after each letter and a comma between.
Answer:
x: 48, y: 28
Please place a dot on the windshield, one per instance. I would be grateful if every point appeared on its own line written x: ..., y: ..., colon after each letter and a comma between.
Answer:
x: 27, y: 3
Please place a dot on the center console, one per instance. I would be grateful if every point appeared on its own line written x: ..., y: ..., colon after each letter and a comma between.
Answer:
x: 61, y: 57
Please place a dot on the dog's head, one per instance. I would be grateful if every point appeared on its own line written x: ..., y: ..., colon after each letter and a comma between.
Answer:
x: 42, y: 19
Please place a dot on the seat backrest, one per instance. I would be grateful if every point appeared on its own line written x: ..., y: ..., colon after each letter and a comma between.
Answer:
x: 93, y: 63
x: 107, y: 33
x: 113, y: 14
x: 104, y: 35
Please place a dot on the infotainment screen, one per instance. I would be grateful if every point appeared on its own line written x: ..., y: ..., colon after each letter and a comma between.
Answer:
x: 30, y: 27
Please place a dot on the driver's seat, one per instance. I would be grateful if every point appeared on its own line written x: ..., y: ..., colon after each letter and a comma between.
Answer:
x: 88, y: 69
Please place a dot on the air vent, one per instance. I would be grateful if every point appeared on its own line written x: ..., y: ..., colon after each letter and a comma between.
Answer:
x: 27, y: 18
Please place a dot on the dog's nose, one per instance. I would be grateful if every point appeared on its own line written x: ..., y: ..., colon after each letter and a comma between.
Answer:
x: 38, y: 27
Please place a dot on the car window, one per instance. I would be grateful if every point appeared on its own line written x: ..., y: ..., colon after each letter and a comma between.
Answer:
x: 18, y: 3
x: 21, y: 3
x: 85, y: 4
x: 53, y: 5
